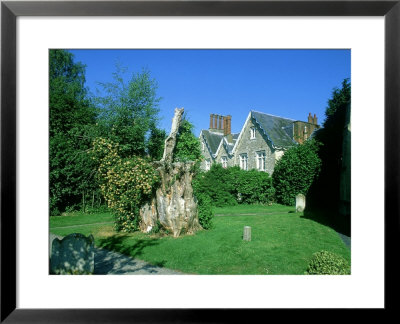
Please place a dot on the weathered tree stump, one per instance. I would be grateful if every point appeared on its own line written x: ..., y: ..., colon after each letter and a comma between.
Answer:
x: 173, y: 203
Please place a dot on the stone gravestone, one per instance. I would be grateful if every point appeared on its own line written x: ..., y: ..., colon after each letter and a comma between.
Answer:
x: 300, y: 203
x: 247, y: 233
x: 74, y: 254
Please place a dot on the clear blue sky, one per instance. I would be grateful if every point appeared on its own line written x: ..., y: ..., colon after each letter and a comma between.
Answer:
x: 287, y: 83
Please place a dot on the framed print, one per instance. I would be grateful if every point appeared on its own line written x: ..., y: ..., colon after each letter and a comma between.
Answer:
x: 370, y: 30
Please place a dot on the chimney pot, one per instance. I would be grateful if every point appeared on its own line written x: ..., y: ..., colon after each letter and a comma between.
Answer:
x: 315, y: 120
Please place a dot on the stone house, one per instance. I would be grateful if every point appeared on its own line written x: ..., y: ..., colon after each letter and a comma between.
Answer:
x: 261, y: 142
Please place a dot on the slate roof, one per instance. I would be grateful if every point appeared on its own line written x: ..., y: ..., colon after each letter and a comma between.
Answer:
x: 279, y: 130
x: 229, y: 146
x: 212, y: 140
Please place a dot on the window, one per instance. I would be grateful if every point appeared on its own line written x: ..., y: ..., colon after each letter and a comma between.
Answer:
x: 260, y: 159
x: 252, y: 133
x: 243, y: 161
x: 208, y: 164
x: 224, y: 162
x: 203, y: 147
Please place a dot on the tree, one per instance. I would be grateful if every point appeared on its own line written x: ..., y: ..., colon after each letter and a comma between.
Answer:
x: 325, y: 192
x: 72, y: 120
x: 187, y: 144
x: 295, y: 171
x: 129, y: 110
x: 155, y: 145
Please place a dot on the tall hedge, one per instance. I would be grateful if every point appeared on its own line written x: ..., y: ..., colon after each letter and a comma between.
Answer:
x: 232, y: 186
x: 295, y: 172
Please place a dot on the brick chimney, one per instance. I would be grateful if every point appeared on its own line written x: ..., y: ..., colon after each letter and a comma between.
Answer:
x: 211, y: 120
x: 310, y: 119
x: 227, y: 128
x: 315, y: 120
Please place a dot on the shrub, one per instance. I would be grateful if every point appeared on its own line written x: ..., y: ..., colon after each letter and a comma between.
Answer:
x: 252, y: 187
x: 126, y: 183
x: 295, y: 172
x: 328, y: 263
x: 230, y: 186
x: 217, y: 185
x: 205, y: 211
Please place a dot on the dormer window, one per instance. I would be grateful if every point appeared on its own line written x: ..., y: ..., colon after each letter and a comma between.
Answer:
x: 252, y: 133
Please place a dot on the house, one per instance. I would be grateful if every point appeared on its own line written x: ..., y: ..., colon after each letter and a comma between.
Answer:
x: 261, y: 142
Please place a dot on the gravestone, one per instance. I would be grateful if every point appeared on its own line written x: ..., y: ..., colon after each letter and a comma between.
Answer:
x: 74, y: 254
x: 300, y: 203
x: 247, y: 233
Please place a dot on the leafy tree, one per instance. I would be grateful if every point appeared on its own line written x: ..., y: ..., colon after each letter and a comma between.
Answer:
x: 155, y: 145
x: 295, y: 171
x: 187, y: 146
x: 325, y: 192
x: 129, y: 110
x: 72, y: 123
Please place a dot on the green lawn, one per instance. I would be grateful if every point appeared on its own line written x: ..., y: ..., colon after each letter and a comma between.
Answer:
x: 282, y: 242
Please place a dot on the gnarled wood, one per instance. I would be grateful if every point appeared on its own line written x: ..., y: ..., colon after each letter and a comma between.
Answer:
x: 173, y: 204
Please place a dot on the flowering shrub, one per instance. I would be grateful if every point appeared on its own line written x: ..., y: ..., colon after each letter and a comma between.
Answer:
x: 126, y: 183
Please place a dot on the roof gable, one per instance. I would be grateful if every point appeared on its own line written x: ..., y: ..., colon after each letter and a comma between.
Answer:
x: 212, y: 140
x: 278, y: 130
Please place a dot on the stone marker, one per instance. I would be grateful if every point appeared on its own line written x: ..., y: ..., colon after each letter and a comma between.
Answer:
x: 300, y: 203
x: 74, y: 254
x: 247, y: 233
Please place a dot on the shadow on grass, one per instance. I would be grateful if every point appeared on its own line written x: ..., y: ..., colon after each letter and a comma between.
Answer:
x: 106, y: 263
x: 341, y: 224
x: 126, y: 245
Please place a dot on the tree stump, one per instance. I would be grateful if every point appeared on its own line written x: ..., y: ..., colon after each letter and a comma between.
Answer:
x: 172, y: 204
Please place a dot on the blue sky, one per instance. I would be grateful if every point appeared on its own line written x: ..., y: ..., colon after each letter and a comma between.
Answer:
x: 287, y: 83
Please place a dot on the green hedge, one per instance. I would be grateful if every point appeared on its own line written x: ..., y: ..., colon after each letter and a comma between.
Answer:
x: 231, y: 186
x: 295, y: 172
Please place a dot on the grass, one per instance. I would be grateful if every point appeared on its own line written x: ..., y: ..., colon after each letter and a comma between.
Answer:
x: 282, y: 242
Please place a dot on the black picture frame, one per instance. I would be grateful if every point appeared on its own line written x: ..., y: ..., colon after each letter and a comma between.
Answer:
x: 10, y: 10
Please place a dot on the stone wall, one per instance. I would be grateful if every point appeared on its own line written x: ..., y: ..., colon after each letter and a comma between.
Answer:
x: 206, y: 154
x: 252, y: 146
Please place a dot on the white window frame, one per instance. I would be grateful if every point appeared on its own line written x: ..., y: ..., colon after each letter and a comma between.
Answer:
x: 243, y: 161
x: 208, y: 164
x: 261, y: 160
x: 224, y: 162
x: 252, y: 132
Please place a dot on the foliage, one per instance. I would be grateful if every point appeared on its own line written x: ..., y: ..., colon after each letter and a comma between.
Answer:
x: 340, y: 98
x: 205, y: 211
x: 230, y: 186
x: 325, y: 192
x: 126, y: 183
x: 252, y: 187
x: 215, y: 186
x: 72, y: 123
x: 328, y: 263
x: 155, y: 145
x: 187, y: 146
x: 295, y: 172
x: 128, y: 110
